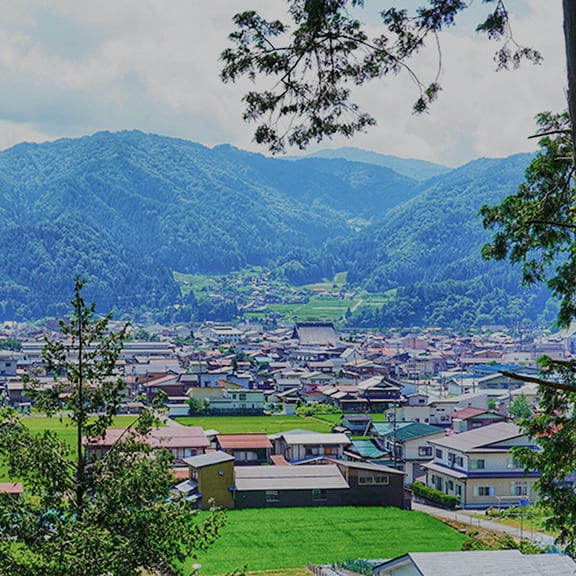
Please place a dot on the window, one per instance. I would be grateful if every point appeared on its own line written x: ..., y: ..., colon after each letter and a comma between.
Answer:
x: 381, y: 479
x: 450, y: 485
x: 312, y: 451
x: 425, y: 451
x: 318, y: 494
x: 331, y: 450
x: 519, y: 488
x: 478, y: 464
x: 272, y: 496
x: 364, y: 478
x: 484, y: 491
x: 242, y: 396
x: 515, y: 464
x: 438, y: 453
x: 458, y: 490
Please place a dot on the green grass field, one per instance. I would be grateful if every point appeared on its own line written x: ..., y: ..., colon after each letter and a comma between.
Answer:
x: 255, y: 424
x: 267, y: 539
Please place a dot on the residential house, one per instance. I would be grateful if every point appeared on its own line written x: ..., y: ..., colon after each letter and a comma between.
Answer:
x: 238, y: 401
x: 182, y: 441
x: 407, y: 442
x: 357, y: 424
x: 315, y: 333
x: 14, y: 489
x: 477, y: 563
x: 479, y: 468
x: 472, y: 418
x: 288, y: 486
x: 211, y: 480
x: 300, y: 445
x: 247, y: 449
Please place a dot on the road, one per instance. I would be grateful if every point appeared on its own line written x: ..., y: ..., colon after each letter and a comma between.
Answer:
x: 465, y: 517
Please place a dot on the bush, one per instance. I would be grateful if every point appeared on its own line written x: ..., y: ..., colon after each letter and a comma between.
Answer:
x: 317, y: 408
x: 436, y: 496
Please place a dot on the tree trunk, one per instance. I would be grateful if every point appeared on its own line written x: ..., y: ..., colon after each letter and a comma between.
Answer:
x: 569, y: 7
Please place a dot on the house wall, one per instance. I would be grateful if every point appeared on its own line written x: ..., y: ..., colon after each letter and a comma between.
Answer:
x: 289, y: 498
x: 215, y: 484
x: 365, y: 490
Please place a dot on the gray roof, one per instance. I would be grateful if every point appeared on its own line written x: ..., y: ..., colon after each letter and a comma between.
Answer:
x: 208, y: 459
x: 367, y: 466
x: 481, y: 563
x: 316, y: 438
x: 480, y: 437
x: 310, y: 477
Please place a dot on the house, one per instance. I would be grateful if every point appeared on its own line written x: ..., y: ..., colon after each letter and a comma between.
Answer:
x: 297, y: 446
x: 211, y: 480
x: 477, y: 563
x: 14, y: 489
x: 357, y: 423
x: 479, y: 467
x: 182, y: 442
x: 472, y: 418
x: 238, y: 401
x: 371, y: 484
x: 288, y: 486
x: 408, y: 444
x: 247, y: 449
x: 315, y: 333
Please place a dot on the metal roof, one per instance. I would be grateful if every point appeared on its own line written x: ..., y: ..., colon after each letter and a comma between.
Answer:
x: 208, y: 459
x: 243, y: 441
x: 484, y: 437
x: 406, y: 431
x: 320, y: 476
x: 316, y: 438
x: 481, y: 563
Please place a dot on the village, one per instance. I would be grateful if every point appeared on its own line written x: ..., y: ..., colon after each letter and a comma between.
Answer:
x: 426, y: 407
x: 426, y: 417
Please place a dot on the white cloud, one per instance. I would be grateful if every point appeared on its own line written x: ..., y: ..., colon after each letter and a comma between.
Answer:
x: 153, y: 65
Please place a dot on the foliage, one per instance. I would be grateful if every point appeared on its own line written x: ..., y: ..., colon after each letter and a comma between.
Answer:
x: 327, y: 51
x: 315, y: 408
x: 359, y: 566
x: 323, y: 534
x: 114, y: 515
x: 434, y: 495
x: 11, y: 344
x: 536, y: 226
x: 198, y: 407
x: 504, y: 542
x: 520, y: 408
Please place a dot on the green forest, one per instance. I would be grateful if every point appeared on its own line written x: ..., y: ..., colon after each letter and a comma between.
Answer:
x: 129, y: 210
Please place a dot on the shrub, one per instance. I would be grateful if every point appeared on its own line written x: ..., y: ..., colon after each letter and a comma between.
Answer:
x: 317, y: 408
x: 435, y: 496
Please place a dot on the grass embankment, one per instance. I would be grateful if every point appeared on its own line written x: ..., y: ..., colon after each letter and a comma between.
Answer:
x: 255, y: 424
x: 271, y: 539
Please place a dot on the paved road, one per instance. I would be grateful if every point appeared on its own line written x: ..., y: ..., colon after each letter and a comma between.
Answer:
x: 465, y: 517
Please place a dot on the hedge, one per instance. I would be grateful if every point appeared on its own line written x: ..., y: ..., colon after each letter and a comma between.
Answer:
x: 436, y: 496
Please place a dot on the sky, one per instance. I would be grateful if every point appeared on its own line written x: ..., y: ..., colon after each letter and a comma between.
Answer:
x: 70, y: 68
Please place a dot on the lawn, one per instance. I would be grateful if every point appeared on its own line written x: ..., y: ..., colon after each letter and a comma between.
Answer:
x: 271, y: 539
x: 256, y: 424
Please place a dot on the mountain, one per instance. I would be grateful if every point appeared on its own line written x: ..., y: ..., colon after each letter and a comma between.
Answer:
x: 428, y: 252
x: 128, y: 209
x: 416, y: 169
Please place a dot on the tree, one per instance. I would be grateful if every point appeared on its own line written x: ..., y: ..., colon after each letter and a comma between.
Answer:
x: 520, y: 408
x: 116, y: 515
x: 536, y: 228
x: 328, y: 51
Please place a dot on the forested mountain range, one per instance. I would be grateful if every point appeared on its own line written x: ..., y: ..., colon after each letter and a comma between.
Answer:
x: 128, y: 209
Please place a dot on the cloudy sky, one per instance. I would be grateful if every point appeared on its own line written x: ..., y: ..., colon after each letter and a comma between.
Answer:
x: 69, y: 68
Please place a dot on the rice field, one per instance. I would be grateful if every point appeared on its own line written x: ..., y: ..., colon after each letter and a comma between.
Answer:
x: 279, y: 538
